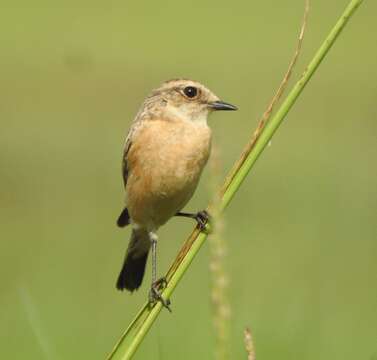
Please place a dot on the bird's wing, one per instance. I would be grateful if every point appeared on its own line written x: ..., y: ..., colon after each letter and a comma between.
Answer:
x: 125, y: 169
x: 136, y: 125
x: 124, y: 217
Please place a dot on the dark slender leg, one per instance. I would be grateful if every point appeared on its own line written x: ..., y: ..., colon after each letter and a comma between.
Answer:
x: 154, y: 293
x: 154, y: 258
x: 201, y: 217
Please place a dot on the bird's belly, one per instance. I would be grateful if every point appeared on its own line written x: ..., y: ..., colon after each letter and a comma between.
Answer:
x: 166, y: 177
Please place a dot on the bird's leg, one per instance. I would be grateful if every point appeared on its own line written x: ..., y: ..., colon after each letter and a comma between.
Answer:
x: 155, y: 292
x: 201, y: 217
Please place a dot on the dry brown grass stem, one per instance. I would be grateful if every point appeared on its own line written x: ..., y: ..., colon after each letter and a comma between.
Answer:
x: 250, y: 145
x: 266, y: 115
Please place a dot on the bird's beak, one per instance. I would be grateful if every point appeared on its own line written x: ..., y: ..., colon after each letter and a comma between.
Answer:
x: 221, y: 105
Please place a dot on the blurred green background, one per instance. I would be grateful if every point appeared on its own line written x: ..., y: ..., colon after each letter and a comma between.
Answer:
x: 301, y: 232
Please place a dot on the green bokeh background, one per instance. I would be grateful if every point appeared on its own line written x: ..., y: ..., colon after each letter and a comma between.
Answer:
x: 301, y: 233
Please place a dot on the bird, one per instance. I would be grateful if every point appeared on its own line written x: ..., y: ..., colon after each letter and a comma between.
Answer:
x: 165, y: 151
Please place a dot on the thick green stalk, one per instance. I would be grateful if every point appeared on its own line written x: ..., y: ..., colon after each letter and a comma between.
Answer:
x: 137, y: 330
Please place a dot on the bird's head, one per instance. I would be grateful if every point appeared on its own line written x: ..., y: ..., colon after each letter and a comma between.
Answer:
x: 186, y: 100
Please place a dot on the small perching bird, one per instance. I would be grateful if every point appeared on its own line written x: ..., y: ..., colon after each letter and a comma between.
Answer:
x: 165, y: 152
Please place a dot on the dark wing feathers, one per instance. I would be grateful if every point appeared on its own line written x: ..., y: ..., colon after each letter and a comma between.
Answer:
x: 124, y: 217
x: 125, y: 170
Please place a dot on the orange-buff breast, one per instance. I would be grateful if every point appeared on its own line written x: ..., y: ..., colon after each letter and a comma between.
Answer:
x: 165, y: 162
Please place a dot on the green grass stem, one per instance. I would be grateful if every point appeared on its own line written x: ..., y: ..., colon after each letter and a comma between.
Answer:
x: 136, y: 331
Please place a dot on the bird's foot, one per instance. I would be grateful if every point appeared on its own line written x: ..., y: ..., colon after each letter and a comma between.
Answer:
x: 155, y: 293
x: 201, y: 217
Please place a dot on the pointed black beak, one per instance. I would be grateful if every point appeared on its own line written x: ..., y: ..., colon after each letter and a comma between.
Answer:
x: 221, y: 105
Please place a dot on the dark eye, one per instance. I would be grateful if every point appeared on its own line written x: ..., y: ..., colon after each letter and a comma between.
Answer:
x: 190, y: 91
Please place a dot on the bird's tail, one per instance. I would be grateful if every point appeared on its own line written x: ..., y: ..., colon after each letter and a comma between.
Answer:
x: 132, y: 273
x: 124, y: 218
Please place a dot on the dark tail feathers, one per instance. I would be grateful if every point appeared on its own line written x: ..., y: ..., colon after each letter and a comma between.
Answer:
x: 124, y: 218
x: 132, y: 273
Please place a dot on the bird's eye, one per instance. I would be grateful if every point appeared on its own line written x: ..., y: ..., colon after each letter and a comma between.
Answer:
x: 190, y: 91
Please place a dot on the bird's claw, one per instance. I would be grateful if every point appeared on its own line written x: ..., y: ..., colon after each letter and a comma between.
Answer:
x: 155, y: 293
x: 202, y: 218
x: 161, y: 283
